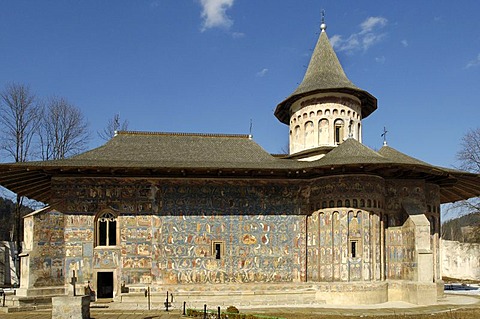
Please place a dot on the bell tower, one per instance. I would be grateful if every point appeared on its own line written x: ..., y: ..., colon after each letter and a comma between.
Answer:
x: 326, y: 108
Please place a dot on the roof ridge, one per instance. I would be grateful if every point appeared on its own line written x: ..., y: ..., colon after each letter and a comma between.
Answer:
x: 247, y: 136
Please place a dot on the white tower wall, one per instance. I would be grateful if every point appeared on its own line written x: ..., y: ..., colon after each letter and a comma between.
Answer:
x: 324, y: 120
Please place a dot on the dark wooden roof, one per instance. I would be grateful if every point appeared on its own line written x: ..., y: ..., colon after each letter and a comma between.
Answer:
x: 177, y: 155
x: 185, y: 150
x: 325, y: 74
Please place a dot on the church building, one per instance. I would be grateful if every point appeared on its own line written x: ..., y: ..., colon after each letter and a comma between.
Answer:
x: 214, y: 218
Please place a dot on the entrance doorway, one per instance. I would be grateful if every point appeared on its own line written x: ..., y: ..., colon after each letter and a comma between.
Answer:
x: 105, y: 284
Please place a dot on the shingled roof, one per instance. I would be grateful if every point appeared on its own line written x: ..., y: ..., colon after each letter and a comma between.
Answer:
x: 325, y: 74
x: 351, y: 152
x: 399, y: 157
x: 129, y: 149
x: 149, y: 149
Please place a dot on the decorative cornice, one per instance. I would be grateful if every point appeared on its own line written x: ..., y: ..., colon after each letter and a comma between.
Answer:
x: 330, y: 99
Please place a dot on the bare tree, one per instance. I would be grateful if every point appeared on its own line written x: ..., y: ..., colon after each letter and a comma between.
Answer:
x: 114, y: 124
x: 19, y: 120
x: 469, y: 157
x: 63, y: 131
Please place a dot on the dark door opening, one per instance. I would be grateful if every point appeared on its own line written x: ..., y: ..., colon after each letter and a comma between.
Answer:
x: 105, y: 284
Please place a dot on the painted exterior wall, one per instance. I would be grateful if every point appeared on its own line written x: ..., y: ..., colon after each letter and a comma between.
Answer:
x: 347, y: 228
x: 166, y: 231
x: 45, y: 245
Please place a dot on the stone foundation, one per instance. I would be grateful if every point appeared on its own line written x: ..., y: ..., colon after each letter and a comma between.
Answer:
x: 71, y: 307
x: 414, y: 292
x: 334, y: 293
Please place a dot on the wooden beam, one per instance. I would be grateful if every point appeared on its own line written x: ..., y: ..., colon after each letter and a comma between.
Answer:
x: 10, y: 174
x: 40, y: 195
x: 447, y: 196
x: 32, y: 187
x: 472, y: 184
x: 16, y: 182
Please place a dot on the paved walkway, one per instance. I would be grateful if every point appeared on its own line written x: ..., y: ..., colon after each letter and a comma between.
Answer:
x: 98, y: 314
x: 126, y: 311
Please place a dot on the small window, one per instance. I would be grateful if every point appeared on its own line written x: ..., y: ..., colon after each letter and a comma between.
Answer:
x: 218, y: 249
x: 353, y: 248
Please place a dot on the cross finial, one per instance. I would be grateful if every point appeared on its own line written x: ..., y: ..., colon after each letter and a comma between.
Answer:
x: 384, y: 135
x: 323, y: 26
x: 251, y: 129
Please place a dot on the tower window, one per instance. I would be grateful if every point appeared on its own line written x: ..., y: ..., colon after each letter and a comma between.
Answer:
x: 106, y: 229
x: 339, y: 131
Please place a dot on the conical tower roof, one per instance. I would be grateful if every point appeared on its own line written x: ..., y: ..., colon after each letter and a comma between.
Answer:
x: 325, y: 74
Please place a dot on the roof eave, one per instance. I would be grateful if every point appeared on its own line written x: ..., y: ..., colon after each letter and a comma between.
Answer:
x: 368, y: 102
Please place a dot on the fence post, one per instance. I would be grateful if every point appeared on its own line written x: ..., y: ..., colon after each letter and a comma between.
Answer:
x: 219, y: 312
x: 205, y: 311
x: 184, y: 305
x: 166, y: 303
x: 148, y: 294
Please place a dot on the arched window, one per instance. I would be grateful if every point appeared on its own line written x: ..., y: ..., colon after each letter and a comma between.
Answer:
x: 106, y: 229
x: 338, y: 131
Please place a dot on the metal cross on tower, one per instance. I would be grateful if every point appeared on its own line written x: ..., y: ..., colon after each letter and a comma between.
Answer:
x: 384, y: 135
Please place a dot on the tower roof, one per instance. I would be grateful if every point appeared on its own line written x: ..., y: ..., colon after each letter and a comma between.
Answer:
x: 325, y: 74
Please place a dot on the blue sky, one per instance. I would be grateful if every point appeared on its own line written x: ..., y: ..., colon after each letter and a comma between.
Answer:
x: 212, y: 65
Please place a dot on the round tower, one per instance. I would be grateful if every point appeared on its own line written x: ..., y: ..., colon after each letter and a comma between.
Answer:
x: 326, y: 108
